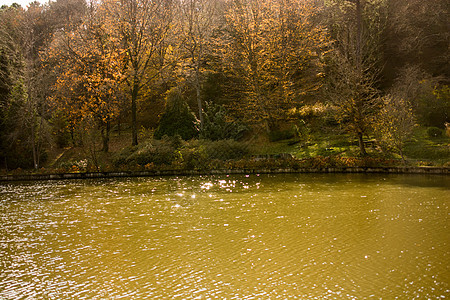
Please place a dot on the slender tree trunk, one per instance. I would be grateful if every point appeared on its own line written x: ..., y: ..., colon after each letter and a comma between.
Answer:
x: 33, y: 143
x: 105, y: 137
x: 39, y: 145
x: 401, y: 154
x: 134, y: 95
x: 362, y: 148
x: 93, y: 153
x: 108, y: 131
x: 199, y: 100
x: 33, y: 139
x: 72, y: 135
x: 119, y: 119
x: 359, y: 65
x: 358, y: 35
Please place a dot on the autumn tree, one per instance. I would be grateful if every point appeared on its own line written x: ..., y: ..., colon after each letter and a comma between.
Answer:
x: 66, y: 15
x: 141, y: 27
x: 196, y: 26
x: 353, y: 94
x: 273, y: 47
x: 394, y: 123
x: 36, y: 36
x: 90, y: 72
x: 353, y: 67
x: 428, y: 95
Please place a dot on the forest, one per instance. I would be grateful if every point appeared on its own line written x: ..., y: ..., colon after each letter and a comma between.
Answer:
x: 108, y: 84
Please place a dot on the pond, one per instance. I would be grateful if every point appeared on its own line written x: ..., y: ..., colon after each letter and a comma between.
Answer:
x: 303, y: 236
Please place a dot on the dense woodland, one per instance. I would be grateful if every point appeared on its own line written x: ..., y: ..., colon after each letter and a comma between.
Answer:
x: 73, y: 72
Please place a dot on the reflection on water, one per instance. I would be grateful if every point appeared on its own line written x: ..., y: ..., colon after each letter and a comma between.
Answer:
x: 238, y: 237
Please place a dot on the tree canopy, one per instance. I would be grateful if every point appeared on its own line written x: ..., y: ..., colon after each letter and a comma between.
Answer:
x: 115, y: 61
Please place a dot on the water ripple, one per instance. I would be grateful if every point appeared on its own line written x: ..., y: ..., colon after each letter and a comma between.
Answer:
x: 236, y: 237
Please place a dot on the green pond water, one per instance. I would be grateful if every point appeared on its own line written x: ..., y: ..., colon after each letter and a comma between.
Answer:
x: 307, y: 236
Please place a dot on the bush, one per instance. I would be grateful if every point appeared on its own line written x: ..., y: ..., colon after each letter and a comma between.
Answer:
x: 433, y: 132
x: 175, y: 141
x: 217, y: 127
x: 226, y: 149
x: 177, y: 118
x: 280, y: 135
x: 75, y: 165
x: 433, y: 106
x: 151, y: 152
x: 201, y: 154
x: 157, y: 153
x: 121, y: 158
x: 193, y: 157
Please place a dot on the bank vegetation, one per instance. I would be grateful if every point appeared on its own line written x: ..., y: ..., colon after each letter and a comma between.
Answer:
x: 160, y: 85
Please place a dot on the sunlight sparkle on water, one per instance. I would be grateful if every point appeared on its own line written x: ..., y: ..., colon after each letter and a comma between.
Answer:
x: 238, y: 237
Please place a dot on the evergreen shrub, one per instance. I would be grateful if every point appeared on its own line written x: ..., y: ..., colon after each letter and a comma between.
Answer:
x: 433, y: 132
x: 177, y: 118
x: 217, y: 125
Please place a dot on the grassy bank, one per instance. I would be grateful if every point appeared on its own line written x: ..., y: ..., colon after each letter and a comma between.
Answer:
x: 320, y: 150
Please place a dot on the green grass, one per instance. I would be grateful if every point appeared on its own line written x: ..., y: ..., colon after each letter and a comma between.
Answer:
x: 269, y: 148
x: 329, y: 145
x: 427, y: 150
x: 420, y: 150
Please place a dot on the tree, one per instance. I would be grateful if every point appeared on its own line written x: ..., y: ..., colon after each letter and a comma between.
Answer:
x: 417, y: 35
x: 10, y: 68
x: 177, y: 118
x: 353, y: 94
x: 354, y: 65
x: 91, y: 72
x: 273, y: 47
x: 25, y: 34
x: 196, y: 27
x: 395, y: 122
x: 67, y: 15
x: 428, y: 95
x: 36, y: 36
x: 6, y: 83
x: 218, y: 125
x: 142, y: 27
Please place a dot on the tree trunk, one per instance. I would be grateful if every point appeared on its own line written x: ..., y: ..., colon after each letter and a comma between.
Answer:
x: 134, y: 95
x: 199, y: 100
x: 33, y: 144
x: 72, y: 135
x: 39, y: 144
x: 93, y: 154
x: 119, y: 119
x: 403, y: 157
x: 362, y: 148
x: 105, y: 137
x: 358, y: 35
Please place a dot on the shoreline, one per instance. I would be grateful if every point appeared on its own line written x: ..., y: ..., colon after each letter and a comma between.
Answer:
x: 121, y: 174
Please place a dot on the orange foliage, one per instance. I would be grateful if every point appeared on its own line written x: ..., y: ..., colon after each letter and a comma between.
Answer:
x: 89, y: 70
